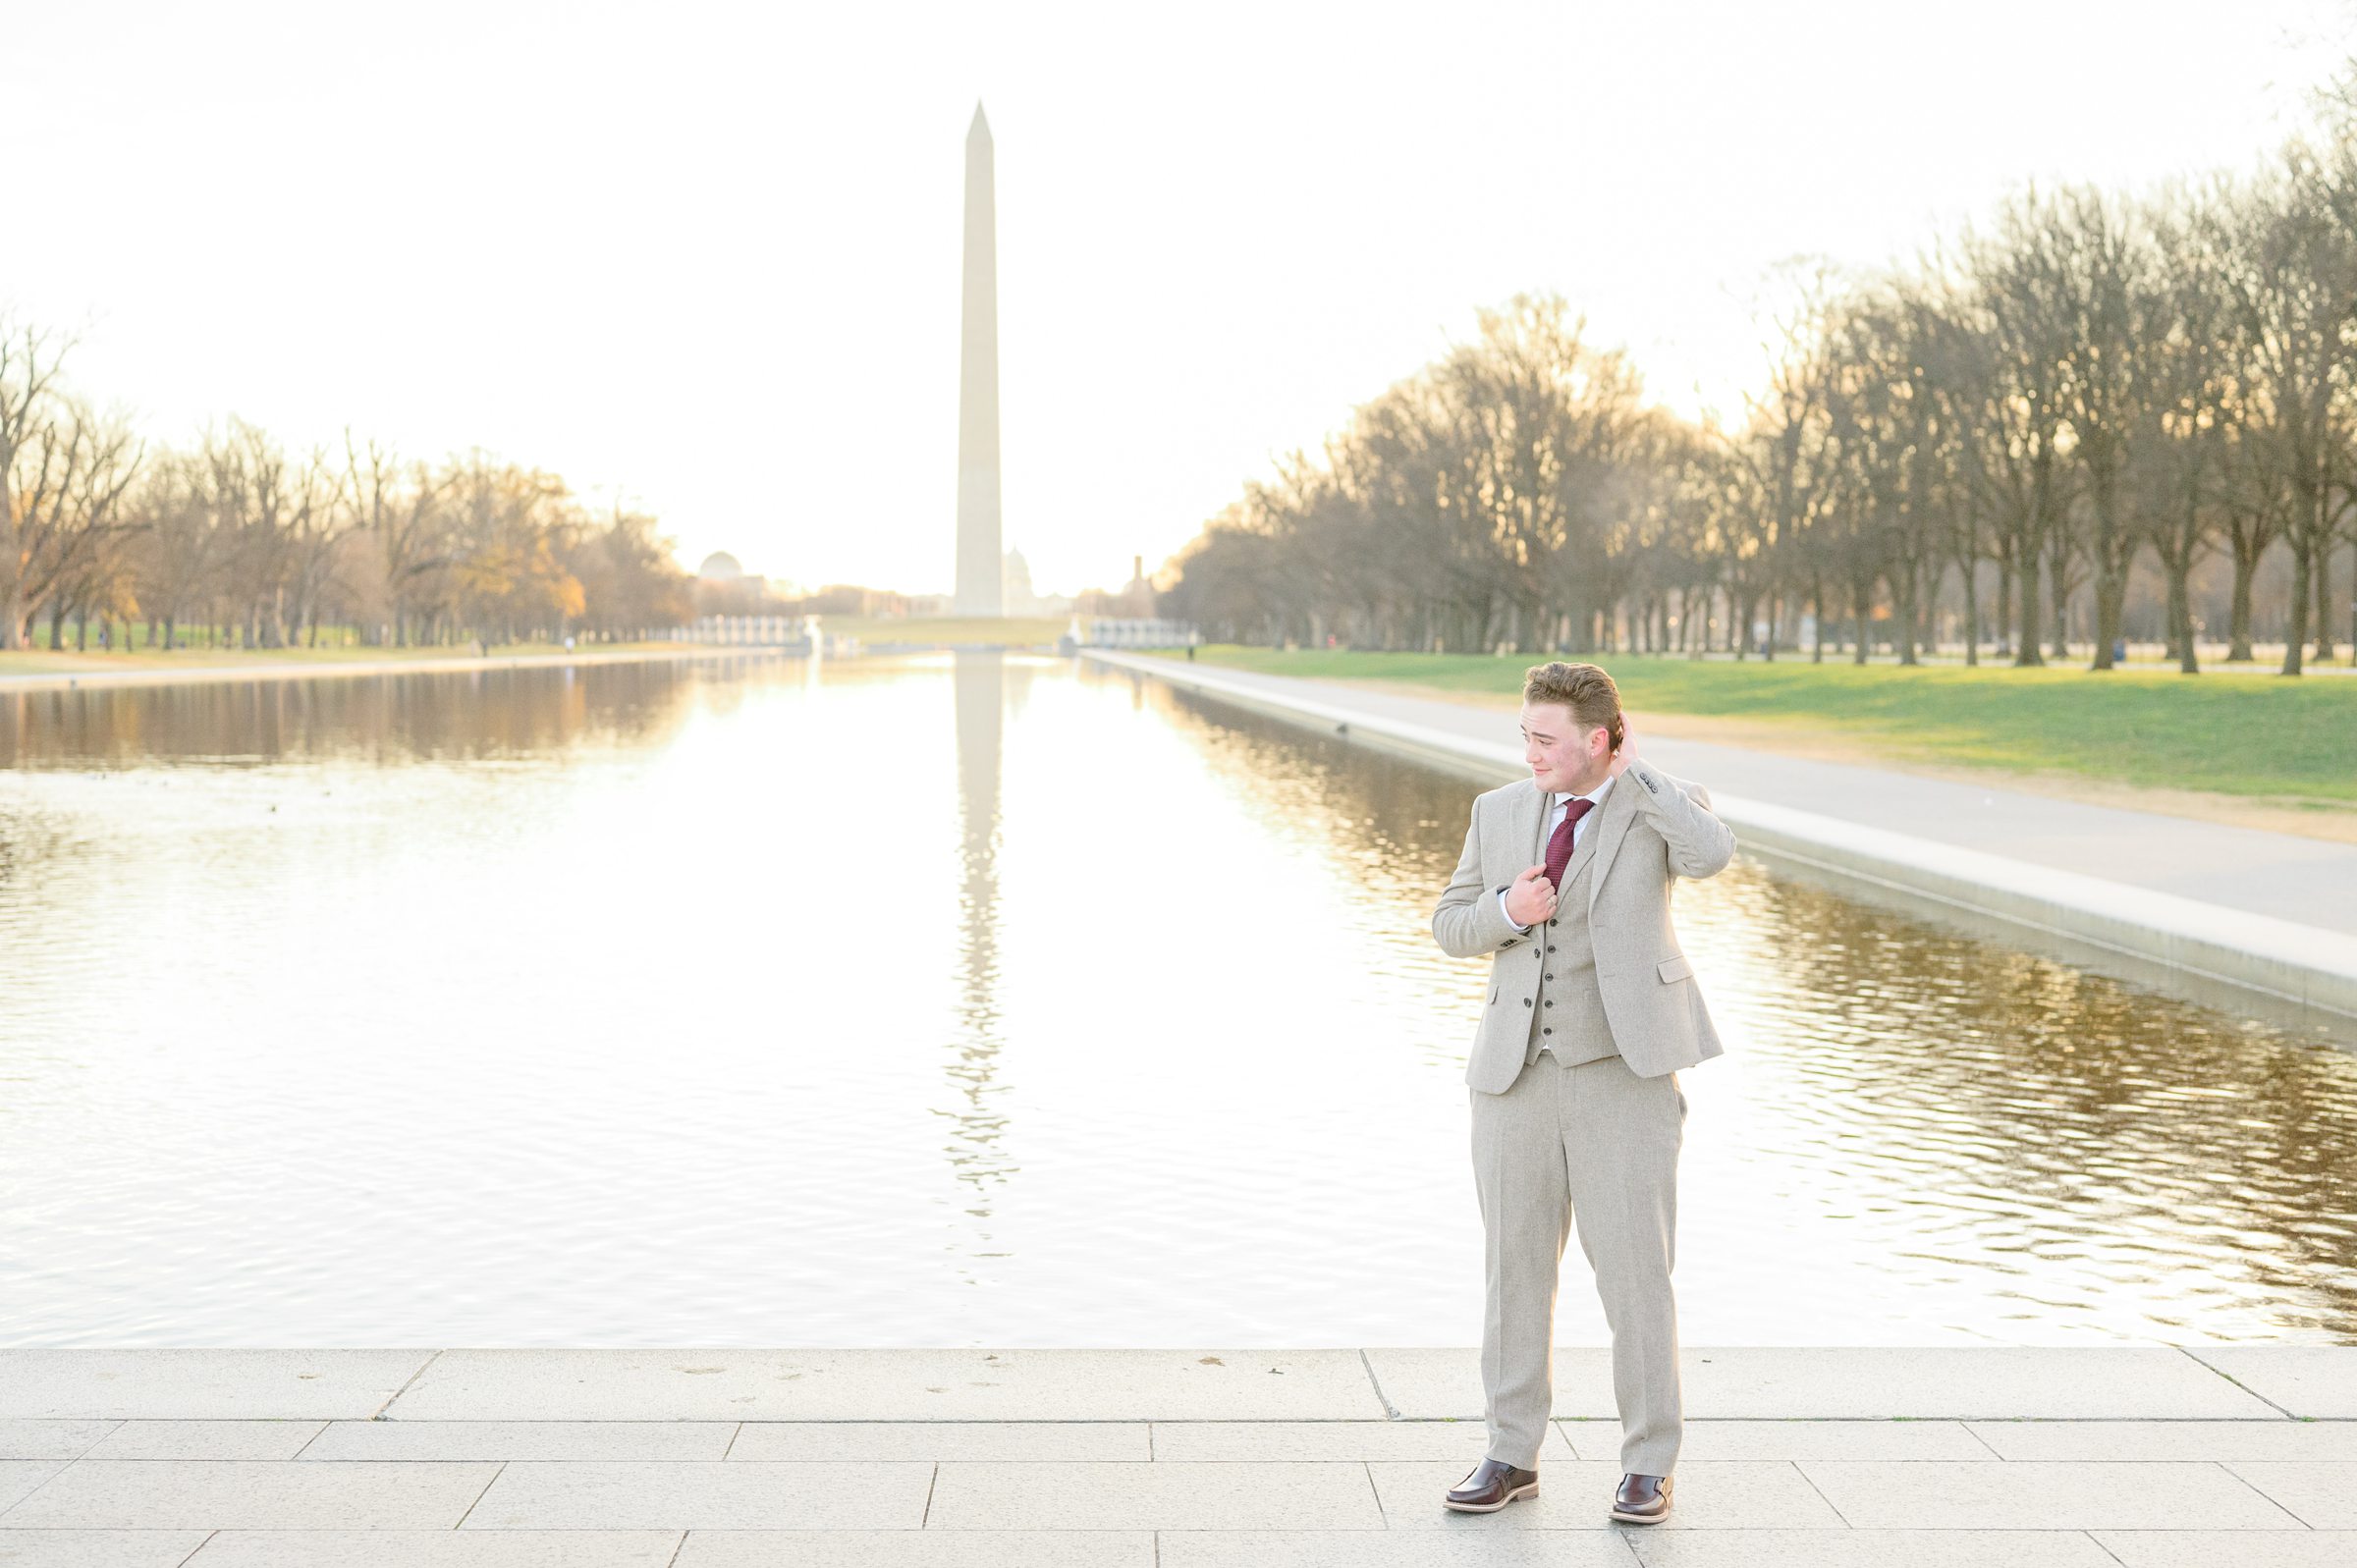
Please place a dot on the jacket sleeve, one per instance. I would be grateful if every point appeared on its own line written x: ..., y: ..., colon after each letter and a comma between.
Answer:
x: 1469, y: 920
x: 1700, y: 845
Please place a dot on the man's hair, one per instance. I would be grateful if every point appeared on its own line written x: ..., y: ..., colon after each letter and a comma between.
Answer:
x: 1585, y: 689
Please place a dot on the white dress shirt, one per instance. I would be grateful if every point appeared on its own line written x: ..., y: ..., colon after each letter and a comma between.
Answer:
x: 1555, y: 820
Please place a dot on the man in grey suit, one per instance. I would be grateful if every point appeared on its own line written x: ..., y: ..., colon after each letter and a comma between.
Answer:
x: 1577, y: 1116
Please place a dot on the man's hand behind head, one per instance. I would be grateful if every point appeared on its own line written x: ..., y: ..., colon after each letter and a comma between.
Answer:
x: 1626, y: 753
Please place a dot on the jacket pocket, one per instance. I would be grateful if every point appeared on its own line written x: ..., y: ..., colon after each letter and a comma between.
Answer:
x: 1678, y: 968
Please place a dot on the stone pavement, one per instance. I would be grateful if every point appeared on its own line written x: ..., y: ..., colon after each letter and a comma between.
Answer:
x: 2270, y: 910
x: 2150, y: 1456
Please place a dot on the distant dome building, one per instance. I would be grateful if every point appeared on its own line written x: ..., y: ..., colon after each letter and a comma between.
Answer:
x: 723, y: 588
x: 1017, y: 596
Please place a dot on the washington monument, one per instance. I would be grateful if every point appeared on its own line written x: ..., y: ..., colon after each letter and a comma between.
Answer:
x: 979, y: 589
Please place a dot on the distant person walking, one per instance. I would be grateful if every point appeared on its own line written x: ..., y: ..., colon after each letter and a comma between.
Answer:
x: 1578, y: 1117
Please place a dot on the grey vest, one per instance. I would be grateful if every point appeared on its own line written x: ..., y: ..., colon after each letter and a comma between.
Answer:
x: 1569, y: 1022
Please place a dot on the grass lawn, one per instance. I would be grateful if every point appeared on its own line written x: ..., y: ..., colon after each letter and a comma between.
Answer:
x: 2234, y: 733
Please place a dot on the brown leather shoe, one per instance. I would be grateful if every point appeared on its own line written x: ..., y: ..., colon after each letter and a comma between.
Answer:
x: 1642, y: 1499
x: 1492, y: 1485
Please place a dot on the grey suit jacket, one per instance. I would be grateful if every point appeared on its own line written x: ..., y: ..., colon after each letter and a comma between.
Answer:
x: 1653, y: 830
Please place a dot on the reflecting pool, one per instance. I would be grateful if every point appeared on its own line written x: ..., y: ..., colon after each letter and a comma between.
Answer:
x: 986, y: 1000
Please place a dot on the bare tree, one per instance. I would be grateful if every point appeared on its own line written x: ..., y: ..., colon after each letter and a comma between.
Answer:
x: 183, y: 540
x: 2194, y: 364
x: 2293, y: 275
x: 2098, y: 264
x: 29, y: 362
x: 74, y: 470
x: 1781, y: 448
x: 404, y: 510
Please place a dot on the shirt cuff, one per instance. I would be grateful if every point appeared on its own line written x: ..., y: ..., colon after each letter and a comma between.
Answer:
x: 1510, y: 919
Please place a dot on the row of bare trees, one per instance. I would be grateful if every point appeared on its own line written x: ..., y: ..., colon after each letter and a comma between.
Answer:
x: 2086, y: 386
x: 243, y: 542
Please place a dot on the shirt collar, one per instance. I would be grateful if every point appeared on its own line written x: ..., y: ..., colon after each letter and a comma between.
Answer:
x: 1595, y: 795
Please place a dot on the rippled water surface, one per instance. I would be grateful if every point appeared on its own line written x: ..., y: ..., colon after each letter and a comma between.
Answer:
x: 970, y: 1001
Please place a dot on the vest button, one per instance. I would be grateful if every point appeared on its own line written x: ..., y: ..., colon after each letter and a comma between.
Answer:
x: 1550, y: 1001
x: 1551, y: 974
x: 1547, y: 1031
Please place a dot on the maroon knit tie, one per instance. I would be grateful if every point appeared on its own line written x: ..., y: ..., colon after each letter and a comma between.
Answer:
x: 1558, y: 848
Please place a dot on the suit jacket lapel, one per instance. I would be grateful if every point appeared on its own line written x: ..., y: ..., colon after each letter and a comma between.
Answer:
x: 1530, y: 825
x: 1620, y: 811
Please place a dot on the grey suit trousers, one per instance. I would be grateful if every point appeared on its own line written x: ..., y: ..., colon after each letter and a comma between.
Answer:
x: 1595, y: 1145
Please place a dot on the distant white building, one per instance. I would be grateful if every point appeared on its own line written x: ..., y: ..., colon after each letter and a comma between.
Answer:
x: 1131, y: 631
x: 1018, y: 594
x: 721, y: 570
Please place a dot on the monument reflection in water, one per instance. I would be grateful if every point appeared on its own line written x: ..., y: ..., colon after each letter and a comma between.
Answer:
x: 984, y: 1000
x: 983, y: 692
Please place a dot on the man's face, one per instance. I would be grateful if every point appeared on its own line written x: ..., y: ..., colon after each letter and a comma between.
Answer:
x: 1565, y: 755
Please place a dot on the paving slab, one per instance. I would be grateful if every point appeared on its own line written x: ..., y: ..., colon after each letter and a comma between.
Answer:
x: 2162, y: 1440
x: 2320, y: 1493
x: 203, y: 1385
x: 19, y: 1479
x: 98, y: 1548
x: 438, y: 1548
x: 1204, y: 1457
x: 2309, y: 1381
x: 1730, y: 1495
x: 846, y: 1440
x: 1398, y: 1548
x: 523, y: 1439
x: 1871, y: 1382
x: 918, y: 1548
x: 2036, y: 1494
x: 1600, y: 1440
x: 1444, y: 1384
x: 250, y: 1495
x: 49, y: 1440
x: 892, y: 1386
x: 2230, y: 1548
x: 1329, y: 1439
x: 538, y: 1495
x: 1869, y: 1549
x: 1161, y: 1496
x: 211, y: 1440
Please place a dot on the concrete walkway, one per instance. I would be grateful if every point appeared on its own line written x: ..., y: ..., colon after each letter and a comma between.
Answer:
x: 1863, y: 1458
x: 2270, y: 911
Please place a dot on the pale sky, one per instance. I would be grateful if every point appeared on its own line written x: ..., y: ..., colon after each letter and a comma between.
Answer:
x: 707, y: 257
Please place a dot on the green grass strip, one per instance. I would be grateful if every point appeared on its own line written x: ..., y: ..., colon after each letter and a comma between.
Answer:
x: 2234, y: 733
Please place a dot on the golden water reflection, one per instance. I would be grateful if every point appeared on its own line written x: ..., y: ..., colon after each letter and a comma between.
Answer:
x: 1960, y: 1111
x: 978, y: 999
